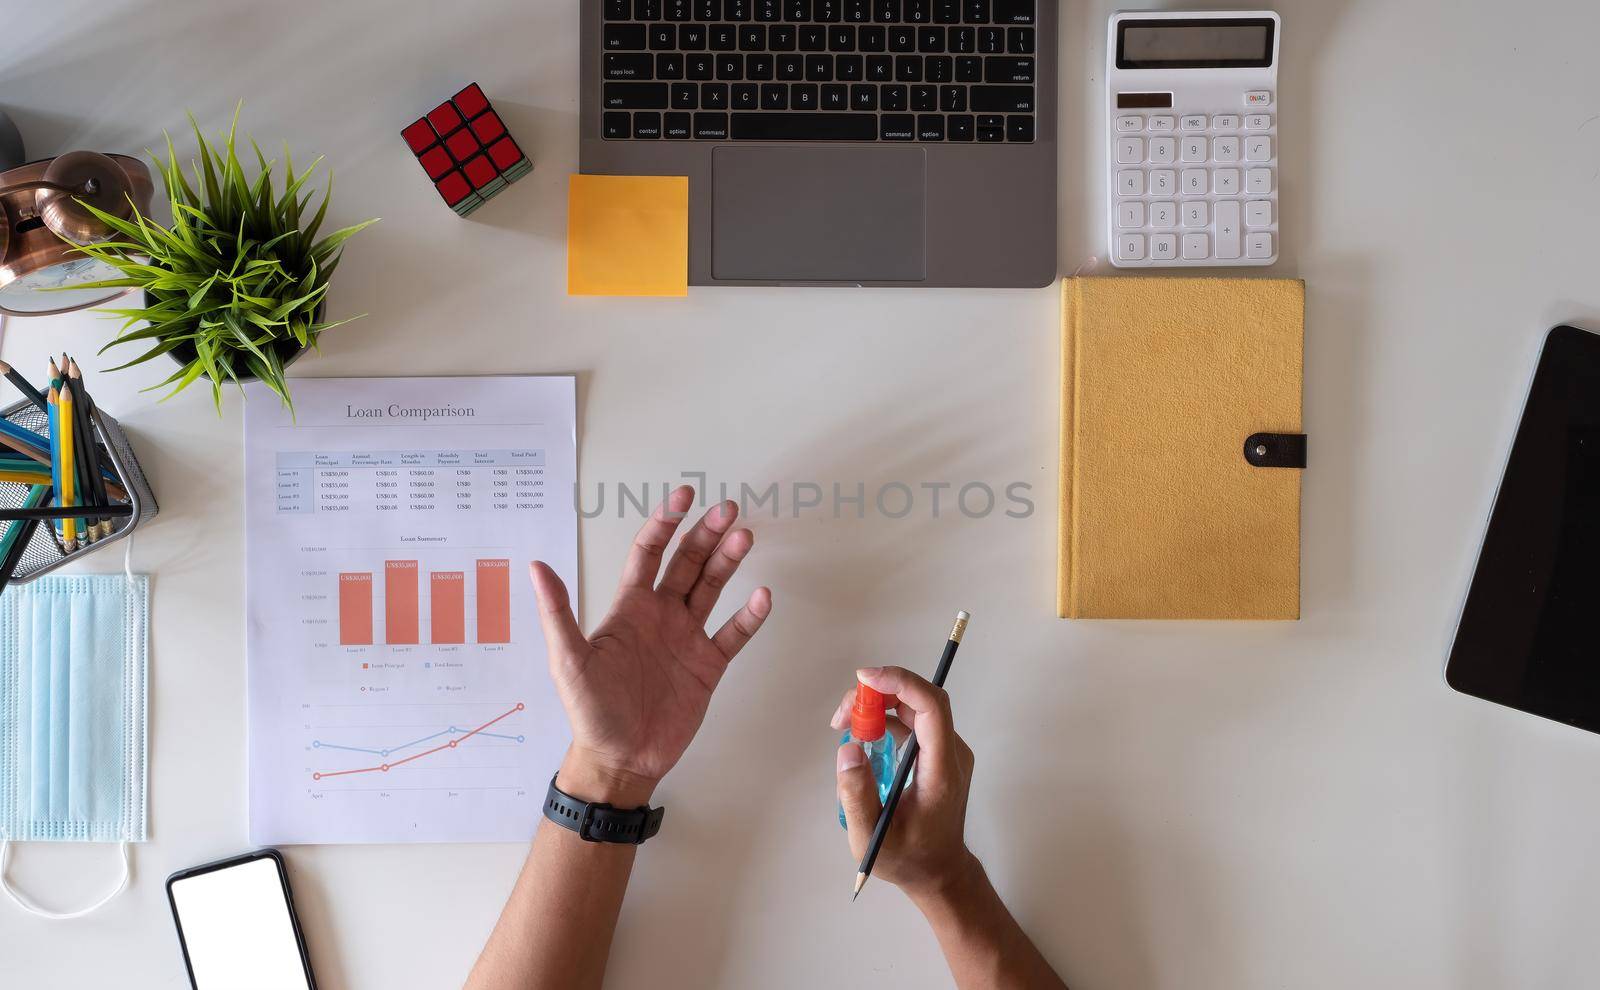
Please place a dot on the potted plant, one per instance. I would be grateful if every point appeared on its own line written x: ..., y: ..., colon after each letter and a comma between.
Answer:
x: 235, y: 289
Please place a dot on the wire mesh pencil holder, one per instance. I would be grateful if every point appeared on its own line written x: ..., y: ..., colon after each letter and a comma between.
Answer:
x: 45, y: 551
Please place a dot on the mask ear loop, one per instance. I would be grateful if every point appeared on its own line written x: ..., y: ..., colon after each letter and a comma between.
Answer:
x: 29, y: 906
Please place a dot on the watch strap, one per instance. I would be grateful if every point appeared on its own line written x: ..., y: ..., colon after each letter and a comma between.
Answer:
x: 600, y: 822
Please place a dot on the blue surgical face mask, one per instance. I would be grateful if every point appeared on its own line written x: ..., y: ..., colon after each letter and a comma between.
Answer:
x: 72, y: 715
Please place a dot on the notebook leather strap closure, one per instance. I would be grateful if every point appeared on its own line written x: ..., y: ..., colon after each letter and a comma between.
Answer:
x: 1276, y: 450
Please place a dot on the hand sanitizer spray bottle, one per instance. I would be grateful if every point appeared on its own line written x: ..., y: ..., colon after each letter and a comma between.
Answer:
x: 869, y: 730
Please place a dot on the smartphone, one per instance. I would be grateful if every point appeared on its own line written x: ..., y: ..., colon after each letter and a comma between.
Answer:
x: 237, y: 926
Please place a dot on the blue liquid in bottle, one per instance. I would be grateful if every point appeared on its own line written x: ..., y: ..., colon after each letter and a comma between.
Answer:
x: 869, y: 729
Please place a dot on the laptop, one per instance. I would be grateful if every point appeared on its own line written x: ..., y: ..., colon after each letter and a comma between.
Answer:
x: 836, y: 142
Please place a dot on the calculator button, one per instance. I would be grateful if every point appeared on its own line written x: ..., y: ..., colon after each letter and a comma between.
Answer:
x: 1163, y: 182
x: 1130, y: 182
x: 1196, y: 214
x: 1196, y: 246
x: 1225, y: 122
x: 1258, y: 121
x: 1258, y: 149
x: 1194, y: 182
x: 1164, y: 216
x: 1258, y: 181
x: 1130, y: 215
x: 1227, y: 149
x: 1163, y: 247
x: 1162, y: 124
x: 1258, y: 245
x: 1162, y: 150
x: 1225, y: 182
x: 1130, y: 151
x: 1258, y: 213
x: 1258, y: 98
x: 1193, y: 122
x: 1194, y: 149
x: 1130, y: 247
x: 1134, y: 123
x: 1228, y: 234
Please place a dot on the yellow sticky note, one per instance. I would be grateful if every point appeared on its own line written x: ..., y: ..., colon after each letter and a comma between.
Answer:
x: 628, y: 235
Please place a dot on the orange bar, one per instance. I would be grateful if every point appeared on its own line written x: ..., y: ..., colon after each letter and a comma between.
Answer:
x: 355, y: 609
x: 494, y: 601
x: 447, y: 597
x: 400, y: 602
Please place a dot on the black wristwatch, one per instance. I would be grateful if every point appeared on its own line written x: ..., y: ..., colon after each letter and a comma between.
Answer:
x: 600, y: 822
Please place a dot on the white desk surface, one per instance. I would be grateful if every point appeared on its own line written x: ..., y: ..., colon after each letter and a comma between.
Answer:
x: 1181, y: 805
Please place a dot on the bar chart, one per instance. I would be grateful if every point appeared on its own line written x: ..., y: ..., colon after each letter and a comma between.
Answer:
x: 446, y: 609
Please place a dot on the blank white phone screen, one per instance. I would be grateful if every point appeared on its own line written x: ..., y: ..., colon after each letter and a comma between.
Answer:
x: 237, y: 929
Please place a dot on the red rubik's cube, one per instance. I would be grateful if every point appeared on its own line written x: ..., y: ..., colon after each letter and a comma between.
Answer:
x: 463, y: 146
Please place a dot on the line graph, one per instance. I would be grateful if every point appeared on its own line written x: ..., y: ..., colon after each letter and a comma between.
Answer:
x: 460, y: 734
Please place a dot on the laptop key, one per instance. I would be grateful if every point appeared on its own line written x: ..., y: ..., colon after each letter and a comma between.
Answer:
x: 835, y: 97
x: 953, y: 99
x: 930, y: 40
x: 713, y: 96
x: 1019, y: 41
x: 930, y: 127
x: 617, y: 126
x: 663, y: 37
x: 813, y: 38
x: 628, y: 66
x: 992, y: 41
x: 872, y: 39
x: 797, y: 10
x: 647, y: 126
x: 975, y: 11
x: 880, y: 68
x: 708, y: 10
x: 958, y: 127
x: 768, y: 11
x: 736, y: 10
x: 730, y: 67
x: 699, y: 67
x: 685, y: 96
x: 969, y: 69
x: 624, y: 37
x: 758, y: 67
x: 848, y: 68
x: 1013, y: 11
x: 828, y: 11
x: 635, y: 96
x: 857, y: 11
x: 902, y: 39
x: 711, y: 126
x: 724, y: 38
x: 780, y: 38
x: 746, y: 96
x: 753, y: 38
x: 924, y: 98
x: 791, y: 67
x: 678, y: 10
x: 892, y: 97
x: 908, y: 68
x: 647, y: 10
x: 937, y: 68
x: 897, y: 127
x: 1019, y: 128
x: 669, y: 65
x: 886, y: 11
x: 819, y: 68
x: 692, y: 37
x: 804, y: 127
x: 990, y: 134
x: 917, y: 11
x: 1002, y: 99
x: 775, y: 96
x: 1008, y: 70
x: 677, y: 126
x: 947, y: 11
x: 803, y: 96
x: 618, y: 10
x: 864, y: 97
x: 842, y: 38
x: 962, y: 40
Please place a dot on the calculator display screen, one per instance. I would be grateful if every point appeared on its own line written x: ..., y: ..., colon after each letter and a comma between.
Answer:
x: 1198, y: 43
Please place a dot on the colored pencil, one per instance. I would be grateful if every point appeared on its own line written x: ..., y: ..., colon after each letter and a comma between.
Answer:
x: 96, y: 470
x: 51, y: 512
x: 69, y: 465
x: 23, y: 385
x: 34, y: 503
x: 907, y: 758
x: 53, y: 400
x: 8, y: 566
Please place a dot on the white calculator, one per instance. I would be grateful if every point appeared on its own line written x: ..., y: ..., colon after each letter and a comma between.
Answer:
x: 1192, y: 107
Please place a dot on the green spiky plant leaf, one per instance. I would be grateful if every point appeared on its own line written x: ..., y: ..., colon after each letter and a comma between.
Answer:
x: 233, y: 287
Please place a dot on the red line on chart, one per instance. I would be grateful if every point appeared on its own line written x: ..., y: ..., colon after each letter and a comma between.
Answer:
x: 386, y: 767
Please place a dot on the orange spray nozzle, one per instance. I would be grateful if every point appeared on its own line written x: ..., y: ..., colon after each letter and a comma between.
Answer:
x: 867, y: 721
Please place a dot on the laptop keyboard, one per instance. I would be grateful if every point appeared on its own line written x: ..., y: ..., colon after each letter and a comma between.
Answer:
x: 819, y: 70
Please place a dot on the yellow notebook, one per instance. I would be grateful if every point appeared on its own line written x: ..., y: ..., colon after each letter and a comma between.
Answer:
x: 1181, y: 448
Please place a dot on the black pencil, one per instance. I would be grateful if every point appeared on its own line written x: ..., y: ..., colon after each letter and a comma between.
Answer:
x: 25, y: 387
x: 83, y: 412
x: 8, y: 567
x: 61, y: 512
x: 907, y: 758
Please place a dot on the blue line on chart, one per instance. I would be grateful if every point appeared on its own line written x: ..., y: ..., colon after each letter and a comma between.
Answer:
x: 319, y: 744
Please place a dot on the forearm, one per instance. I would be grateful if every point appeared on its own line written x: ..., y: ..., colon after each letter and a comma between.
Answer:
x: 555, y: 931
x: 982, y: 942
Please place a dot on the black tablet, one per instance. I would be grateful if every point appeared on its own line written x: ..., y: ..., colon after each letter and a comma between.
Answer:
x: 1529, y: 635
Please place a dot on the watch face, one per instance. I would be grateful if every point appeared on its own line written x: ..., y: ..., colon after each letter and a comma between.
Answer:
x: 28, y: 293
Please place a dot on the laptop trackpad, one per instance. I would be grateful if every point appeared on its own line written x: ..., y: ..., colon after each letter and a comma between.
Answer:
x: 819, y: 214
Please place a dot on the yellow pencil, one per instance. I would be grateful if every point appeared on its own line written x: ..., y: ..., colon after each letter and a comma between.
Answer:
x: 69, y: 466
